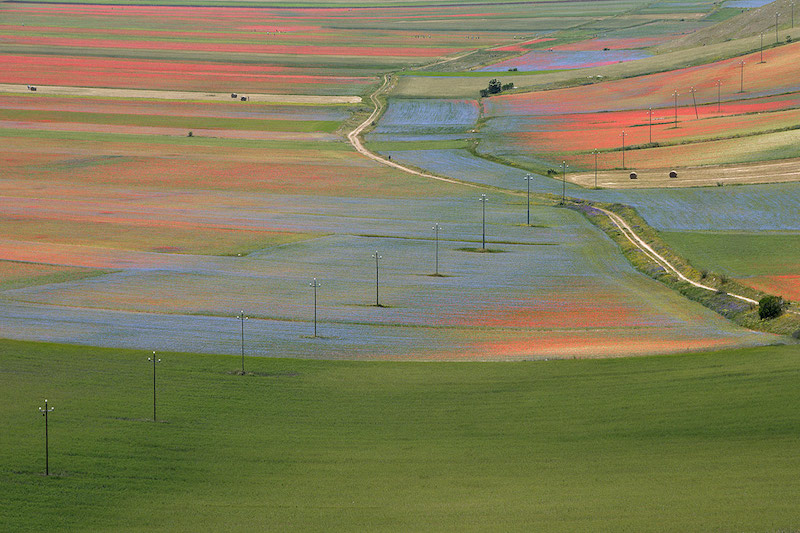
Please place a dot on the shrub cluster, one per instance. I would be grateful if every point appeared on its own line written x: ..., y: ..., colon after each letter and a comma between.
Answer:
x: 770, y: 307
x: 495, y: 87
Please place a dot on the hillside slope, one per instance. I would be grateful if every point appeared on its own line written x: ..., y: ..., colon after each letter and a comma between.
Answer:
x: 749, y: 23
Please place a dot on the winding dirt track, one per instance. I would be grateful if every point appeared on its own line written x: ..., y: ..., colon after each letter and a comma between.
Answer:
x: 354, y: 139
x: 652, y: 254
x: 618, y: 221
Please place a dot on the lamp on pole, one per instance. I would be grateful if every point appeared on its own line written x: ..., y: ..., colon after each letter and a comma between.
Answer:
x: 595, y: 152
x: 44, y: 412
x: 436, y: 228
x: 528, y: 179
x: 623, y: 134
x: 483, y: 201
x: 241, y: 316
x: 377, y: 258
x: 675, y: 96
x: 694, y: 101
x: 719, y: 85
x: 315, y: 285
x: 564, y: 181
x: 154, y: 360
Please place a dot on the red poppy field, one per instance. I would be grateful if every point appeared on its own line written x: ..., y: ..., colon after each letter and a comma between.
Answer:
x: 715, y: 125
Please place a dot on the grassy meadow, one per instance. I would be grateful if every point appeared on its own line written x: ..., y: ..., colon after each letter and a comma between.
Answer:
x: 670, y: 443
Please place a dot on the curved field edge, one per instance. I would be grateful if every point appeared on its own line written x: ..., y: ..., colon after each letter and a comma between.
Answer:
x: 734, y: 309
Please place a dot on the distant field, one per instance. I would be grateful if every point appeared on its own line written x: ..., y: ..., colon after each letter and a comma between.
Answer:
x: 321, y: 51
x: 739, y: 254
x: 265, y: 195
x: 468, y: 86
x: 744, y: 208
x: 171, y: 214
x: 762, y: 260
x: 678, y: 443
x: 15, y: 274
x: 567, y: 124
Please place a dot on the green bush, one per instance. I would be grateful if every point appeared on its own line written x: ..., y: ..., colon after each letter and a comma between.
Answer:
x: 770, y: 307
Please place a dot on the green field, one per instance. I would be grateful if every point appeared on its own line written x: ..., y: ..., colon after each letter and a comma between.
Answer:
x: 739, y: 254
x: 672, y: 443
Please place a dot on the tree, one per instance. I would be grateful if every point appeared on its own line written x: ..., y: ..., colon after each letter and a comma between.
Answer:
x: 770, y: 307
x: 495, y: 86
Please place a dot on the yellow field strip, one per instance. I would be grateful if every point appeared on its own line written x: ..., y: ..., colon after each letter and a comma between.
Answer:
x: 56, y: 90
x: 780, y: 171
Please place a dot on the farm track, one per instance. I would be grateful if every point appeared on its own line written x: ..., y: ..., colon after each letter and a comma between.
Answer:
x: 355, y: 140
x: 618, y: 221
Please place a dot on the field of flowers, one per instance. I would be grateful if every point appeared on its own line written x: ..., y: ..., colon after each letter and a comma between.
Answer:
x: 551, y: 291
x: 430, y: 119
x: 326, y: 51
x: 776, y: 76
x: 186, y: 232
x: 83, y: 71
x: 761, y: 207
x: 732, y: 219
x: 148, y: 237
x: 565, y: 59
x: 725, y: 125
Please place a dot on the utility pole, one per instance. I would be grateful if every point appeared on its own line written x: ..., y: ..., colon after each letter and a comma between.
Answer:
x: 776, y: 27
x: 564, y: 182
x: 315, y: 285
x: 45, y: 412
x: 528, y: 179
x: 377, y: 258
x: 694, y: 100
x: 154, y: 360
x: 483, y: 200
x: 595, y: 152
x: 436, y: 228
x: 719, y: 85
x: 762, y: 47
x: 741, y: 78
x: 241, y: 316
x: 623, y: 149
x: 675, y: 95
x: 650, y: 117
